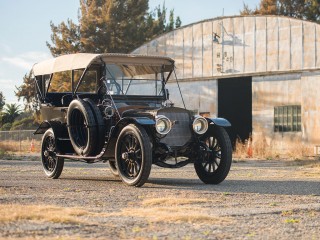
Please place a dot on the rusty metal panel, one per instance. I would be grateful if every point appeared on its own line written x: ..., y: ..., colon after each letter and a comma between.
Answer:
x: 317, y: 46
x: 272, y: 52
x: 261, y: 44
x: 296, y: 44
x: 227, y: 45
x: 153, y: 47
x: 178, y: 52
x: 309, y: 45
x: 268, y: 92
x: 162, y: 46
x: 207, y: 49
x: 217, y: 49
x: 197, y: 54
x: 169, y: 38
x: 310, y: 109
x: 188, y: 50
x: 239, y: 45
x: 200, y: 96
x: 144, y: 50
x: 284, y: 44
x: 249, y: 39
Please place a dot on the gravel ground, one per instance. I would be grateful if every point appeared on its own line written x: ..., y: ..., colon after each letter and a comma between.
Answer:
x: 262, y: 199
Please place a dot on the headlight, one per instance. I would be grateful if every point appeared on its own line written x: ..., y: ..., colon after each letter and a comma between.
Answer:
x: 200, y: 125
x: 163, y: 124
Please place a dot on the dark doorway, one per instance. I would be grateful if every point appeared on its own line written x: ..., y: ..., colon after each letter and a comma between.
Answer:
x: 235, y: 104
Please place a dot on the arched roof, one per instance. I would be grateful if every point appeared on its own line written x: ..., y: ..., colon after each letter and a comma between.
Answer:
x: 247, y: 45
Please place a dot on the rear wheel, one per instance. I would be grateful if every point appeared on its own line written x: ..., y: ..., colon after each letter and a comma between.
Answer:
x: 133, y: 155
x: 215, y: 156
x: 52, y: 165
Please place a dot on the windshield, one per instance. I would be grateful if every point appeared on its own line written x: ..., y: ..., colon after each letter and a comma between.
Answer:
x: 134, y: 80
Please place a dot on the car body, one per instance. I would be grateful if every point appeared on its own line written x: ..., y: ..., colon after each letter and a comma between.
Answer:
x: 115, y: 108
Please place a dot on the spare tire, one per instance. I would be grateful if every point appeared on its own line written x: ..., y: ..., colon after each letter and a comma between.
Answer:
x: 82, y: 128
x: 100, y: 125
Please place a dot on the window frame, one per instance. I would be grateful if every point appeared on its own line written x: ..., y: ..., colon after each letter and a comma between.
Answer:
x: 287, y: 118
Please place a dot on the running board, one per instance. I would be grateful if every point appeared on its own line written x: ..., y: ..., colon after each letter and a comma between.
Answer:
x: 77, y: 157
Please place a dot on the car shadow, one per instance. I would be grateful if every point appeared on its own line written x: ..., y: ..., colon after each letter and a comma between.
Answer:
x: 292, y: 187
x: 92, y: 179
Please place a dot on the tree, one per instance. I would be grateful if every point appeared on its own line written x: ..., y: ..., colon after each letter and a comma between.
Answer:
x: 104, y: 26
x: 27, y: 93
x: 110, y: 26
x: 2, y: 100
x: 302, y: 9
x: 10, y: 112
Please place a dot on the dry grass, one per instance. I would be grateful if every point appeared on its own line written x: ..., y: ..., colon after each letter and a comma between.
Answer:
x: 2, y: 191
x: 173, y: 210
x: 22, y: 146
x: 14, y: 212
x: 261, y: 149
x: 172, y: 201
x: 73, y: 237
x: 174, y: 215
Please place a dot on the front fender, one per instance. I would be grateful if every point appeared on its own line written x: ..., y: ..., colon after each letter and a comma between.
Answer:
x: 110, y: 146
x: 222, y: 122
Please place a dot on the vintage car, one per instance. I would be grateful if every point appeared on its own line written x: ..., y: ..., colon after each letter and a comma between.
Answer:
x: 115, y: 108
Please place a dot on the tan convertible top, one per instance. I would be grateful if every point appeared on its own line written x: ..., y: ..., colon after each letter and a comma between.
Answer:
x: 83, y: 60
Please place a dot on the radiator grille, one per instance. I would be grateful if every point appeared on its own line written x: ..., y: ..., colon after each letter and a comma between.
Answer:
x: 180, y: 133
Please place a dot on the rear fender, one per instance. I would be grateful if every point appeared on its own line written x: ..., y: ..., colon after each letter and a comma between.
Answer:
x: 60, y: 132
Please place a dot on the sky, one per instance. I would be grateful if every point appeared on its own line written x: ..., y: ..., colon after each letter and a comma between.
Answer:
x: 25, y: 29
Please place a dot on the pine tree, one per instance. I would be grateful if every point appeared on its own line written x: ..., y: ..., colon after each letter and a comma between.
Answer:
x: 27, y: 92
x: 110, y: 26
x: 104, y: 26
x: 2, y: 100
x: 302, y: 9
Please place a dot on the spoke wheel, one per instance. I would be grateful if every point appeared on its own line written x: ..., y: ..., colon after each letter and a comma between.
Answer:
x: 215, y: 156
x: 133, y: 155
x: 52, y: 165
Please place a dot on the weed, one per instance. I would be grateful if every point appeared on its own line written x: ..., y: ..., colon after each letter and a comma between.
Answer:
x: 292, y: 220
x: 287, y: 213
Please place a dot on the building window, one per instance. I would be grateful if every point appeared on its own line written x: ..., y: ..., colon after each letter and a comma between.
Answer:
x: 287, y: 118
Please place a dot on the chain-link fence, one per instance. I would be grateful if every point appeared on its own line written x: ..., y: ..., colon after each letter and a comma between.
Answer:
x: 22, y: 141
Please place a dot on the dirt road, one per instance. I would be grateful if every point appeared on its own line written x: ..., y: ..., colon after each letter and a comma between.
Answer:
x: 258, y: 200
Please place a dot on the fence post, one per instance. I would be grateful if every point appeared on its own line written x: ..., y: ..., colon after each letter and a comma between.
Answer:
x: 20, y: 140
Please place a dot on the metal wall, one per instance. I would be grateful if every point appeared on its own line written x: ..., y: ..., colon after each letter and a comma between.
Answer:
x: 281, y: 53
x: 247, y: 45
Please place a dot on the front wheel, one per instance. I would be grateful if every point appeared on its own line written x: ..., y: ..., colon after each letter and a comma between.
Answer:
x: 215, y: 156
x: 52, y: 165
x: 113, y: 168
x: 133, y: 155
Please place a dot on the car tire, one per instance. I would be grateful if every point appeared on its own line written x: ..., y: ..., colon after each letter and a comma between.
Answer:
x: 113, y: 168
x: 215, y: 156
x: 133, y: 155
x: 101, y: 127
x: 82, y: 128
x: 52, y: 165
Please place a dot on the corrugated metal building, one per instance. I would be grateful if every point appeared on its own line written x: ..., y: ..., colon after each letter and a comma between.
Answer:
x: 260, y: 72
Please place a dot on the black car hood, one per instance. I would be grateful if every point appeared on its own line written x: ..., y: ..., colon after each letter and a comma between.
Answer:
x: 138, y: 111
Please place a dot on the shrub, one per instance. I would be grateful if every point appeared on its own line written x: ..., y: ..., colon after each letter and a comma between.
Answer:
x: 6, y: 127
